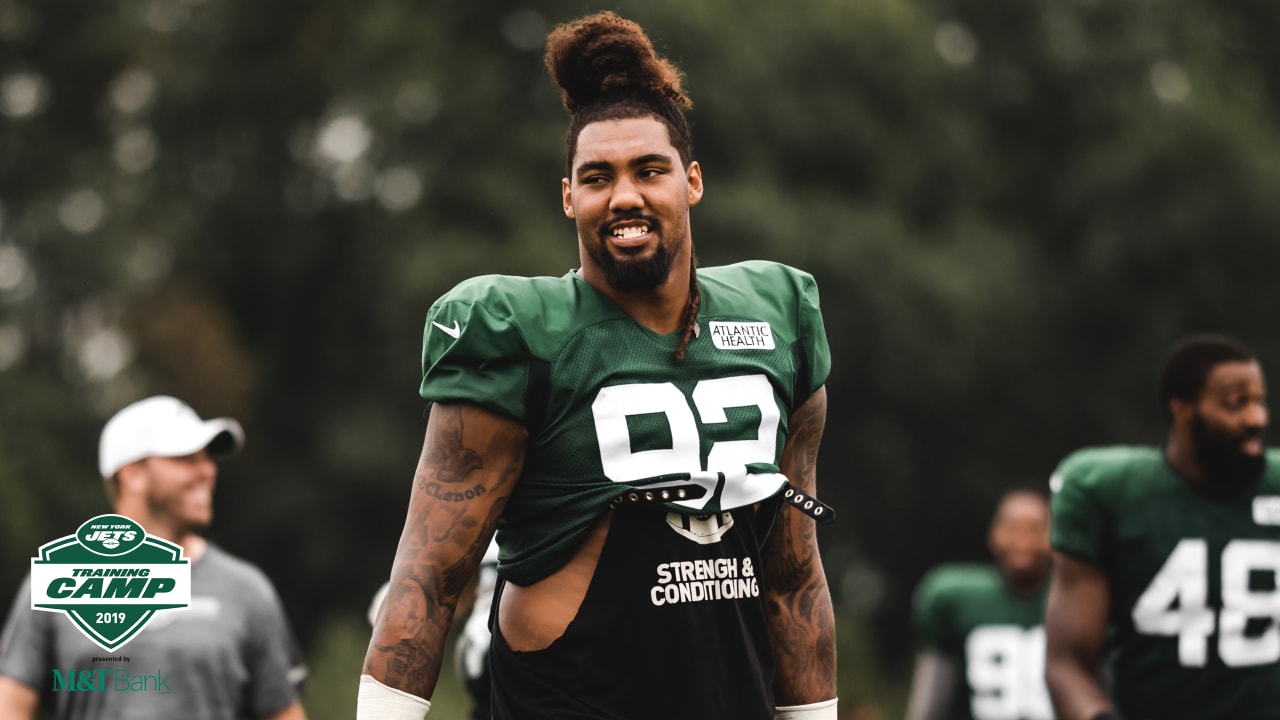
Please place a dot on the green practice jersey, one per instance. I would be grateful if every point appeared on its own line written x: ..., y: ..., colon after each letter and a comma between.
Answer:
x: 1195, y: 607
x: 967, y: 614
x: 608, y: 408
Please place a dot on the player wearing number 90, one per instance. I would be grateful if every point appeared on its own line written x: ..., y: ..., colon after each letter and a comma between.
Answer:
x: 1167, y: 558
x: 979, y: 627
x: 631, y: 429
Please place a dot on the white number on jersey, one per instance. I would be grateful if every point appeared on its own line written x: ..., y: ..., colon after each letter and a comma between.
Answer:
x: 614, y: 404
x: 1006, y: 671
x: 1176, y: 603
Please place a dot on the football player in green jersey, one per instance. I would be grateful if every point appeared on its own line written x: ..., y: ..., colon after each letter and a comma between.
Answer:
x: 1167, y: 557
x: 979, y: 627
x: 631, y: 431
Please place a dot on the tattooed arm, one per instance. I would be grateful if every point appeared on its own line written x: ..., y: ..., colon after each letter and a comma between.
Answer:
x: 801, y: 619
x: 470, y: 461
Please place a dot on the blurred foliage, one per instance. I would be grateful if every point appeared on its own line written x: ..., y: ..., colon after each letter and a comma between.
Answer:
x: 1013, y: 207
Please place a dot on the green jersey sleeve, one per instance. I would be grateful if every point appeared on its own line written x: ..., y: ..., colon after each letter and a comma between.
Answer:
x: 473, y: 351
x: 1079, y: 527
x: 813, y: 335
x: 930, y: 613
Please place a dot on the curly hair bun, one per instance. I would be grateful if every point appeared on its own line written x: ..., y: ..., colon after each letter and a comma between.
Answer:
x: 602, y: 55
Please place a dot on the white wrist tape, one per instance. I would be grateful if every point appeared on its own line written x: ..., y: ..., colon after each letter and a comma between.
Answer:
x: 379, y: 702
x: 825, y: 710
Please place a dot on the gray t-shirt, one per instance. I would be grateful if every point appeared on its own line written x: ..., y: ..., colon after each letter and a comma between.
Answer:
x: 229, y: 656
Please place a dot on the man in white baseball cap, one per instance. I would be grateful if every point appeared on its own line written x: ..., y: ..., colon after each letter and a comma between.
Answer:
x: 229, y: 655
x: 158, y: 459
x: 163, y: 426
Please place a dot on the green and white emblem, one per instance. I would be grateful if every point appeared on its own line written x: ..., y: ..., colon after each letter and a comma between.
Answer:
x: 110, y: 578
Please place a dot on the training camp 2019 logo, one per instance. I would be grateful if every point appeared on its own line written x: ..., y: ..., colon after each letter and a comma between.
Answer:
x: 110, y: 578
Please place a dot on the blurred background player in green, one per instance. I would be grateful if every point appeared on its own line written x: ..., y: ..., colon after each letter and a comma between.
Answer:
x: 978, y: 627
x: 1167, y: 557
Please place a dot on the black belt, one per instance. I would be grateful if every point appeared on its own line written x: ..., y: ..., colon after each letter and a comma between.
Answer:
x: 792, y: 496
x: 809, y: 505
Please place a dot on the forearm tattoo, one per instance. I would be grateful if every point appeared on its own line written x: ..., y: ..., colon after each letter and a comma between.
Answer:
x: 459, y: 493
x: 801, y: 617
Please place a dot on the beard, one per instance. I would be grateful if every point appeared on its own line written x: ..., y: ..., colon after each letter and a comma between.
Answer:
x: 630, y: 274
x: 1219, y: 454
x: 175, y: 505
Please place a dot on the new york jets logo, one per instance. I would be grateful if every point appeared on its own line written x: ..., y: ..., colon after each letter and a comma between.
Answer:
x: 111, y: 539
x: 110, y: 578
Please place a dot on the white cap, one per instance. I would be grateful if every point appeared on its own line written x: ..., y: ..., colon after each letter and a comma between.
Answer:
x: 163, y: 426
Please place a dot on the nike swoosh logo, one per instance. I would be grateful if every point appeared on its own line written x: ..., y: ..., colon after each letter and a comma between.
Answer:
x: 452, y: 332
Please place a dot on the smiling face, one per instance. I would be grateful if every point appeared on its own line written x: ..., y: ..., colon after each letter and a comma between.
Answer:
x: 1019, y: 541
x: 176, y: 492
x: 1228, y: 423
x: 630, y: 195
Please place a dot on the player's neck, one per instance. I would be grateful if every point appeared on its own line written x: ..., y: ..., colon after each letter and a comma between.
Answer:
x: 660, y: 312
x: 661, y: 309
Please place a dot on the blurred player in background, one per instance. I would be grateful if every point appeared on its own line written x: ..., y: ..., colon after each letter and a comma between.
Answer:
x: 638, y: 425
x: 228, y: 656
x: 978, y: 627
x: 1167, y: 557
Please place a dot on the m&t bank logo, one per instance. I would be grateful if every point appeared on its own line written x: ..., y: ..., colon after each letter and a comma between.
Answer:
x: 110, y: 578
x: 101, y: 680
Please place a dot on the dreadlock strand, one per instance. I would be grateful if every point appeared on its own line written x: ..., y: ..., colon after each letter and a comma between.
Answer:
x: 690, y: 310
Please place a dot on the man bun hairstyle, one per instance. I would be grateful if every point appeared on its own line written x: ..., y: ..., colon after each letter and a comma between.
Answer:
x: 607, y: 69
x: 1189, y: 363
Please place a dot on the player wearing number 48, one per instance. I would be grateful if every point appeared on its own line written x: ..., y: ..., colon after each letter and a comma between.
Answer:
x: 1166, y: 559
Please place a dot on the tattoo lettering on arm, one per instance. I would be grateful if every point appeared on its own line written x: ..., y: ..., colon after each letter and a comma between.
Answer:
x: 436, y: 491
x: 801, y: 617
x: 471, y: 459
